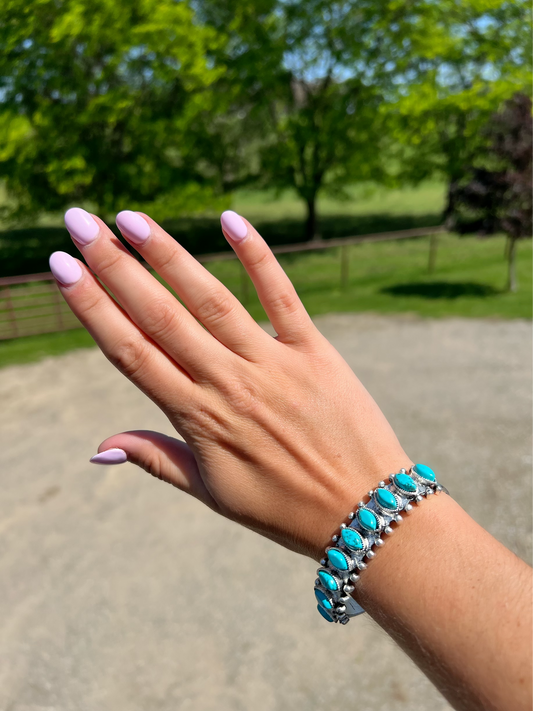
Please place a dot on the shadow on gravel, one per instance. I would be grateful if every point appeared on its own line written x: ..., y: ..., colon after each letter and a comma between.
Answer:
x: 441, y: 289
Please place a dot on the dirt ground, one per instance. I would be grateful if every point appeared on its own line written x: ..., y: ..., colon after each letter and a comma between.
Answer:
x: 107, y: 602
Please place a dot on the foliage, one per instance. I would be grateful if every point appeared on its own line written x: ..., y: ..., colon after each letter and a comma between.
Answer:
x: 95, y: 99
x: 477, y: 55
x: 495, y: 192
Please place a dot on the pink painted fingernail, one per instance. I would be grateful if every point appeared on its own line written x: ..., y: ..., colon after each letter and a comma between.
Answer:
x: 110, y: 456
x: 81, y: 225
x: 64, y: 268
x: 133, y: 226
x: 234, y: 226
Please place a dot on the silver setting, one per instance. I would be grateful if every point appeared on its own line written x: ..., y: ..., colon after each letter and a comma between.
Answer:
x: 379, y: 519
x: 360, y: 551
x: 349, y: 560
x: 329, y: 597
x: 403, y: 492
x: 337, y: 578
x: 383, y: 509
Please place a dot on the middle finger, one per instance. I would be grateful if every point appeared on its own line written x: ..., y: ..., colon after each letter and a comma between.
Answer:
x: 148, y: 303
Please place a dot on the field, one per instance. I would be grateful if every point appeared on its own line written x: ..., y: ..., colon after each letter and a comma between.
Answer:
x: 468, y: 281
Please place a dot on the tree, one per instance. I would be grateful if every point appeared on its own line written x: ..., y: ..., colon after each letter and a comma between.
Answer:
x: 495, y: 194
x: 95, y: 100
x: 475, y: 56
x: 306, y: 81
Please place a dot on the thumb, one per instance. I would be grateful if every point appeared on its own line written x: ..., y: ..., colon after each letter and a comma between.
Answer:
x: 164, y: 457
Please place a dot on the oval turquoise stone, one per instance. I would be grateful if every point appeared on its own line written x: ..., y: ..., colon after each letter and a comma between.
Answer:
x: 322, y: 599
x: 352, y: 539
x: 327, y: 580
x: 424, y: 472
x: 367, y: 519
x: 403, y: 481
x: 386, y: 499
x: 337, y: 559
x: 324, y: 613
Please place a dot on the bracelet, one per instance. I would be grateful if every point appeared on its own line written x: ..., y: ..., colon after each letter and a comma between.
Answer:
x: 355, y: 541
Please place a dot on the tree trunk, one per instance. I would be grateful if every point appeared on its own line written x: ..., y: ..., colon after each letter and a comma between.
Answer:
x: 512, y: 284
x: 311, y: 229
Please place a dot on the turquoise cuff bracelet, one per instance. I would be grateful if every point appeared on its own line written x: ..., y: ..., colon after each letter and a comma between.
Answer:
x: 339, y: 570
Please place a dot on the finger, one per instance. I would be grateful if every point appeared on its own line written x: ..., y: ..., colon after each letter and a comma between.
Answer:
x: 147, y: 366
x: 164, y: 457
x: 282, y: 304
x: 206, y: 298
x: 147, y: 302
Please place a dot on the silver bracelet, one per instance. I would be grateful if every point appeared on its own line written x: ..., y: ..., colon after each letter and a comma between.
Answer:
x: 339, y: 570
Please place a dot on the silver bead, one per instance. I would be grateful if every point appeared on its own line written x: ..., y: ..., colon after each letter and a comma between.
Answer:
x: 370, y: 554
x: 344, y: 599
x: 361, y: 504
x: 418, y: 497
x: 398, y: 518
x: 323, y: 561
x: 378, y: 542
x: 354, y: 577
x: 334, y: 539
x: 351, y: 516
x: 429, y: 492
x: 402, y: 471
x: 382, y: 484
x: 317, y: 582
x: 339, y: 610
x: 343, y: 525
x: 349, y: 588
x: 391, y: 478
x: 371, y: 492
x: 361, y: 565
x: 388, y: 530
x: 408, y: 508
x: 439, y: 487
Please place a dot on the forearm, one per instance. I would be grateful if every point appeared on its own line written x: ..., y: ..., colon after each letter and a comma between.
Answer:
x: 458, y: 602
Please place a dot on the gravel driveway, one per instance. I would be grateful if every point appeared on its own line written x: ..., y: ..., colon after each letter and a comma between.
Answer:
x: 106, y: 602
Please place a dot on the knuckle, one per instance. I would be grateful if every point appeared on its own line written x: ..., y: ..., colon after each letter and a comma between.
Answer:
x: 288, y: 301
x: 215, y: 308
x: 109, y: 262
x: 159, y: 319
x: 130, y: 356
x: 260, y: 260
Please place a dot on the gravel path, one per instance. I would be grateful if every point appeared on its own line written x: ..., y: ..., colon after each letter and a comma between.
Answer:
x: 105, y: 600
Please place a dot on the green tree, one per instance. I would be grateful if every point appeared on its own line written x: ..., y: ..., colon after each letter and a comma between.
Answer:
x: 95, y: 100
x: 475, y: 55
x: 304, y: 82
x: 495, y: 192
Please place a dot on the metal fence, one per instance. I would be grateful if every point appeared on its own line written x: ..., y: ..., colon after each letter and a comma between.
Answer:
x: 33, y: 304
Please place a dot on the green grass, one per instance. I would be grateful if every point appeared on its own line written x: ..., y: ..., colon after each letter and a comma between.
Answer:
x: 388, y: 278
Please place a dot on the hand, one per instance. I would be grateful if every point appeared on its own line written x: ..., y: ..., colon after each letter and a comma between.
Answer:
x: 279, y: 433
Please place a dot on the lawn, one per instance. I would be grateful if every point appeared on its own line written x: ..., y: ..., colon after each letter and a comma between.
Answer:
x: 388, y: 277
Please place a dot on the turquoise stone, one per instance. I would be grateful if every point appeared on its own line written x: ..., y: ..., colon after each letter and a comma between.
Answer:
x: 324, y: 613
x: 352, y: 539
x: 327, y: 580
x: 386, y: 499
x: 337, y: 559
x: 405, y: 482
x: 322, y: 599
x: 367, y: 519
x: 424, y: 472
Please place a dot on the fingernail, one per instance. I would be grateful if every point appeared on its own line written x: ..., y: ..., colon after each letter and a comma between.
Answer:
x: 64, y: 268
x: 81, y: 225
x: 110, y: 456
x: 234, y: 226
x: 133, y: 226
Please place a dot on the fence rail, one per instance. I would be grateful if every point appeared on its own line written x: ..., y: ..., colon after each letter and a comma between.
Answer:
x: 32, y: 304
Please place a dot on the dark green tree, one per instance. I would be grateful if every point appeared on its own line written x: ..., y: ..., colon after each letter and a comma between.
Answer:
x: 495, y: 193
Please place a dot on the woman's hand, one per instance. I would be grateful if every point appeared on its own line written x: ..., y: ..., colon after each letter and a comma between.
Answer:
x: 279, y: 433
